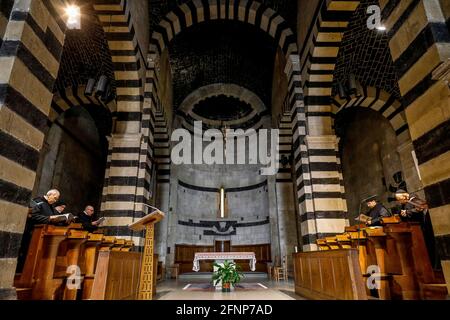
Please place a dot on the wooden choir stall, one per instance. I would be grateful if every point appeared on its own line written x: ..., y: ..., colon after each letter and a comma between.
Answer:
x: 68, y: 263
x: 387, y: 262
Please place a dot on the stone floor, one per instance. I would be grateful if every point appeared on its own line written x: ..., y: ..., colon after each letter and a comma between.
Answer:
x: 173, y: 290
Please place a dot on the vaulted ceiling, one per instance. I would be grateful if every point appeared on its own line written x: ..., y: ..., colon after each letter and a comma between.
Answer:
x: 366, y: 54
x: 86, y: 53
x: 222, y: 52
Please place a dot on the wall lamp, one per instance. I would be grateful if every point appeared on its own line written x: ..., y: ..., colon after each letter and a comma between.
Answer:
x: 73, y: 17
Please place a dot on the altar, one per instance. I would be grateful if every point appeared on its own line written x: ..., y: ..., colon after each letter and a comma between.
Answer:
x: 220, y: 257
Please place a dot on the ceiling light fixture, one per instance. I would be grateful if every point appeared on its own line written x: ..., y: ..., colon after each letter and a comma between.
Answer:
x: 73, y: 15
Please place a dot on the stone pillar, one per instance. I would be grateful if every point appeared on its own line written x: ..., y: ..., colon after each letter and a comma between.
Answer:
x: 329, y: 207
x: 423, y: 72
x: 120, y: 204
x: 29, y: 62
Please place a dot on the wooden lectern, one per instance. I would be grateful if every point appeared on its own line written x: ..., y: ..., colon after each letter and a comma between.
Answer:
x: 146, y: 279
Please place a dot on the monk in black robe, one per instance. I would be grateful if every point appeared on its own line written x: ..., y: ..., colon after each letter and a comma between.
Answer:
x: 86, y: 218
x: 376, y: 213
x: 413, y: 209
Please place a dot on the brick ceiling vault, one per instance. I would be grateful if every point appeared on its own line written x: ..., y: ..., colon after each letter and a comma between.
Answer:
x: 366, y: 54
x: 86, y: 53
x: 224, y: 51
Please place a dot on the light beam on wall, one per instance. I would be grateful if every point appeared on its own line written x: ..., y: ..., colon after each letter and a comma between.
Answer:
x: 73, y: 17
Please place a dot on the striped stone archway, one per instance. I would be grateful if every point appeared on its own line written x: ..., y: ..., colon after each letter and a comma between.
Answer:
x: 258, y: 15
x: 390, y: 108
x: 75, y: 96
x: 380, y: 101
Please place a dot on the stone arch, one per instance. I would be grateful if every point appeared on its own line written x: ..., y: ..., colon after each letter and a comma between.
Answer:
x: 75, y: 96
x: 380, y: 101
x: 251, y: 12
x: 392, y: 110
x: 246, y: 11
x: 115, y: 17
x: 258, y: 107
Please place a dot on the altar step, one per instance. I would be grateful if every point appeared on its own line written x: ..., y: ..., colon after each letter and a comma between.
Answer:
x: 208, y: 275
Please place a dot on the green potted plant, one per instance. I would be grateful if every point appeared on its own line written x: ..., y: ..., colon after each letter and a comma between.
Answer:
x: 228, y: 273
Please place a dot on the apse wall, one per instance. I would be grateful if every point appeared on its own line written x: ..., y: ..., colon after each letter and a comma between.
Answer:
x: 196, y: 203
x: 199, y: 219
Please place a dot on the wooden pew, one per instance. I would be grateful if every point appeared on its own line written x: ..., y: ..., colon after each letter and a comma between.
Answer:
x: 322, y: 244
x: 116, y: 276
x: 118, y: 245
x: 417, y: 278
x: 332, y: 243
x: 329, y: 274
x: 88, y: 262
x: 358, y: 241
x: 45, y: 286
x: 32, y: 260
x: 128, y: 246
x: 344, y: 241
x: 377, y: 237
x: 68, y: 257
x: 107, y: 243
x: 398, y: 249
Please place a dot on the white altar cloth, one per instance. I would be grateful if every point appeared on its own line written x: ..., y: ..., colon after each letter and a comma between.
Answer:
x: 222, y: 256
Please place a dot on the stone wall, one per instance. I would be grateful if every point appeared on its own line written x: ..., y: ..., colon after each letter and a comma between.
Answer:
x: 86, y: 54
x: 279, y: 88
x: 5, y: 11
x: 72, y: 149
x: 139, y: 10
x: 306, y: 15
x: 369, y: 158
x: 199, y: 220
x: 30, y: 53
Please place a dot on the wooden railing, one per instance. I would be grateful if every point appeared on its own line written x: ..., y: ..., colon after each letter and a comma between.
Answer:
x: 329, y: 275
x: 52, y: 250
x: 398, y: 251
x: 117, y: 276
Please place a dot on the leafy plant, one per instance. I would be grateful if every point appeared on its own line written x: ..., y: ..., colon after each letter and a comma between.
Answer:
x: 228, y: 273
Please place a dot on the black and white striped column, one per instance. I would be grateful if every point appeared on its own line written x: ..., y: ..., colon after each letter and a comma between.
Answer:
x: 420, y: 48
x: 127, y: 175
x: 323, y: 190
x: 29, y: 61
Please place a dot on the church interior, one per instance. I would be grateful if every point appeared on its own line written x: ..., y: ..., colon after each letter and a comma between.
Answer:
x: 94, y: 93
